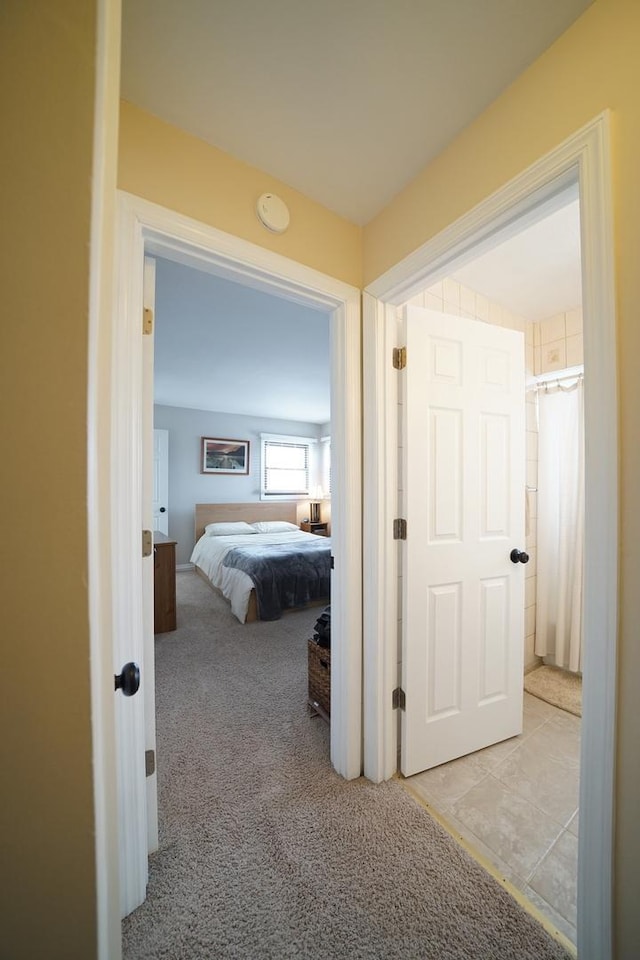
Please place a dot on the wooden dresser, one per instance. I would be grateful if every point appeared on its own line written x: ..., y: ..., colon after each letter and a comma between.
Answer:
x: 164, y: 583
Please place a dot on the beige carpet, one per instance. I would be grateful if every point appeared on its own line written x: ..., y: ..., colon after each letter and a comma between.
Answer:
x: 556, y: 686
x: 265, y: 853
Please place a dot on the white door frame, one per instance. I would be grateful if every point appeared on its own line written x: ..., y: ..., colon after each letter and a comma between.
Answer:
x: 144, y: 227
x: 583, y: 158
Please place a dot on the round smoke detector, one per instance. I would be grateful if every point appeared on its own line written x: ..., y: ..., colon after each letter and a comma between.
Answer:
x: 273, y: 212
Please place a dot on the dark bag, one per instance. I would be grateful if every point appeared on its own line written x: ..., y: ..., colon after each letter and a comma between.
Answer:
x: 322, y: 629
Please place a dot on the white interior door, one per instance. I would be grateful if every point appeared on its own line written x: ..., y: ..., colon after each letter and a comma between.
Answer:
x: 149, y: 486
x: 160, y: 501
x: 464, y: 495
x: 132, y: 575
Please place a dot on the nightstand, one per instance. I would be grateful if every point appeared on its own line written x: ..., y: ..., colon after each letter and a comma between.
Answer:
x: 320, y: 529
x: 164, y: 583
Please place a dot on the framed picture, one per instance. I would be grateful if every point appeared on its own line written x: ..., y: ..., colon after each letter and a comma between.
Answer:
x: 224, y: 456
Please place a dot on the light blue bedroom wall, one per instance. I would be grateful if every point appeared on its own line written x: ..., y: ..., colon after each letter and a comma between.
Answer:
x: 187, y: 486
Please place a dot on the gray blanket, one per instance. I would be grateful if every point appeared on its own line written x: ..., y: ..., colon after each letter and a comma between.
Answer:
x: 285, y: 574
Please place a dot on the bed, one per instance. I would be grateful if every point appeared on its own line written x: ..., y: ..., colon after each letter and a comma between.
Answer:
x: 257, y: 557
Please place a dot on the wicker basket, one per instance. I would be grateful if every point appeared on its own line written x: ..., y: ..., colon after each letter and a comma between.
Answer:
x: 319, y: 676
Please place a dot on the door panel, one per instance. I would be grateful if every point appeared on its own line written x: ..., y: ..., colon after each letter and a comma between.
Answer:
x: 464, y: 486
x: 148, y: 519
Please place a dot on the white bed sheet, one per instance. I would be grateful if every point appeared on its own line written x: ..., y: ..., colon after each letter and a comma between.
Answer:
x: 236, y: 585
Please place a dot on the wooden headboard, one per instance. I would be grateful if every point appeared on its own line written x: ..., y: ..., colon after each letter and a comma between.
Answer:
x: 249, y: 512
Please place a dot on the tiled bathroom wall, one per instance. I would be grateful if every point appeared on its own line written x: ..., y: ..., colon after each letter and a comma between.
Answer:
x: 557, y: 342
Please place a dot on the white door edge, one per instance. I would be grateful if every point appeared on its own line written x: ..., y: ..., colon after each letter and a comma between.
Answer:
x: 148, y: 564
x: 585, y: 158
x: 127, y: 412
x: 380, y: 331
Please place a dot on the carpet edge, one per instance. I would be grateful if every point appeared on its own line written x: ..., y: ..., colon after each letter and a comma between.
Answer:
x: 489, y: 867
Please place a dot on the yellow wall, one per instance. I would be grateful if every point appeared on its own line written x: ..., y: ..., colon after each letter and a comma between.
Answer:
x: 176, y: 170
x: 47, y: 64
x: 594, y: 65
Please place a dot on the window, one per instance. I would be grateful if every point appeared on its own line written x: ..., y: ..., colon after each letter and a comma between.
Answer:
x: 286, y: 466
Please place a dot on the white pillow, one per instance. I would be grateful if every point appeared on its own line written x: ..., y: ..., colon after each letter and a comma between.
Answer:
x: 274, y: 526
x: 229, y: 529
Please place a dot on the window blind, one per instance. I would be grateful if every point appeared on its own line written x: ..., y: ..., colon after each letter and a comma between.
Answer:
x: 285, y: 468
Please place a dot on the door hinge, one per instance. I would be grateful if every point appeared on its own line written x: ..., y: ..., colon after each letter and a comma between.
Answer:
x: 399, y: 699
x: 399, y: 358
x: 147, y: 543
x: 399, y: 529
x: 147, y: 321
x: 149, y: 762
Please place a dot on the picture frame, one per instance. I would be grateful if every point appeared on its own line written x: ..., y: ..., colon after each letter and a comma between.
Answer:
x: 224, y: 456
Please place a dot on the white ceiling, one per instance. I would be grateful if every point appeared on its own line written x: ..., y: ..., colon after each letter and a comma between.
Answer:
x: 535, y: 273
x: 229, y: 348
x: 344, y: 100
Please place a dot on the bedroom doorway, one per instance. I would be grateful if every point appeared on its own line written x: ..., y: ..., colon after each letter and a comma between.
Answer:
x: 146, y: 229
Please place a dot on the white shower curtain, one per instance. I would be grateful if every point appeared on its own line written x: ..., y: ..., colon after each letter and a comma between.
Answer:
x: 560, y: 535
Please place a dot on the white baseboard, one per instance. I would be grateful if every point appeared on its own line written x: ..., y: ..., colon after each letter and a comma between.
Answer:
x: 184, y: 567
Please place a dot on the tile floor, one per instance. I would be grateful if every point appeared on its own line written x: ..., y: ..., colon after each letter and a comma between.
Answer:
x: 516, y: 803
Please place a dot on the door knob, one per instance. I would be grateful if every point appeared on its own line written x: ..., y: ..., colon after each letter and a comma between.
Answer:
x: 129, y: 680
x: 519, y: 556
x: 163, y: 509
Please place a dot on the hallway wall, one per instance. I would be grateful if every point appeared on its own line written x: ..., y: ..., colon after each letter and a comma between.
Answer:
x: 48, y: 102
